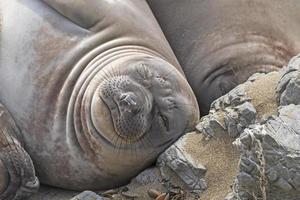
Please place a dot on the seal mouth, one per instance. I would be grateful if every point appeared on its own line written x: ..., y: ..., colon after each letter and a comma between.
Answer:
x: 130, y: 106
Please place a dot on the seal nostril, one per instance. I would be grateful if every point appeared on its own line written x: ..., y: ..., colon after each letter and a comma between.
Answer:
x: 122, y: 96
x: 128, y: 98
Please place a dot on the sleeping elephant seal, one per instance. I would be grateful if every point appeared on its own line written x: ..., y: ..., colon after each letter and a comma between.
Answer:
x: 219, y: 44
x: 94, y: 89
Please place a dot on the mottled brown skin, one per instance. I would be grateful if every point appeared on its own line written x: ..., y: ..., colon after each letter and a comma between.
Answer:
x: 94, y: 91
x: 221, y: 43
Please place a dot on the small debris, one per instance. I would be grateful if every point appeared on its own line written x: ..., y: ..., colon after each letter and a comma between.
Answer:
x: 129, y: 194
x: 167, y: 197
x: 153, y: 193
x: 162, y: 196
x: 109, y: 193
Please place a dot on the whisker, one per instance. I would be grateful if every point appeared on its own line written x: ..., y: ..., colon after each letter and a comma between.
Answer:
x: 185, y: 107
x: 135, y: 150
x: 149, y: 142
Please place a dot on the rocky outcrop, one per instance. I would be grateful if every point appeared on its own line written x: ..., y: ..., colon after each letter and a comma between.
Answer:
x: 288, y: 88
x: 270, y: 158
x: 230, y: 114
x: 182, y: 163
x: 258, y: 122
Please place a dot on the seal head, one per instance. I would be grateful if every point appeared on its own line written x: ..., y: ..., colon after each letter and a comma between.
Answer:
x: 144, y: 97
x: 131, y: 109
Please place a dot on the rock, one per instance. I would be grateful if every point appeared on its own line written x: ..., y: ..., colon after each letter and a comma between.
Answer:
x: 288, y: 88
x: 185, y: 167
x: 291, y: 94
x: 255, y: 76
x: 150, y: 175
x: 238, y: 95
x: 247, y: 113
x: 267, y: 138
x: 87, y: 195
x: 230, y: 114
x: 270, y: 158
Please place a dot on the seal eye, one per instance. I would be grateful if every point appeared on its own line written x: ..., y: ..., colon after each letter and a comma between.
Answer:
x: 164, y: 120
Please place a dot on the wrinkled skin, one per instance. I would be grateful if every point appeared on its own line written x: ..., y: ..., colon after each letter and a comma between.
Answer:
x: 92, y: 93
x: 221, y: 43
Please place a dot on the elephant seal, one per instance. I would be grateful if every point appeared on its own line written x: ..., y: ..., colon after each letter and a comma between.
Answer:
x: 95, y: 90
x: 219, y: 44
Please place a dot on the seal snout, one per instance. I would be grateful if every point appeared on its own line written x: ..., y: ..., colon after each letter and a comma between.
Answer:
x: 142, y: 103
x: 130, y: 105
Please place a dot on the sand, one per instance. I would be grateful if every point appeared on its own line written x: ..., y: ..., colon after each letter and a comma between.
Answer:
x: 220, y: 157
x: 263, y: 94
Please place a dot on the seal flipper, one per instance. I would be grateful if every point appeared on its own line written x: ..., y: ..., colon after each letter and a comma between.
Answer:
x: 17, y: 174
x: 83, y: 13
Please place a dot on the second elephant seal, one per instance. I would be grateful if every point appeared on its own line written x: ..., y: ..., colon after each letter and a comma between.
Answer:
x: 221, y: 43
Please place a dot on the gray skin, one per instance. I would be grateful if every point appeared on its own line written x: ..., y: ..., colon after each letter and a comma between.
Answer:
x: 92, y: 94
x: 219, y: 44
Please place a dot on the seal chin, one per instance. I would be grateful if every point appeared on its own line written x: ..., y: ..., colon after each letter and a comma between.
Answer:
x: 130, y: 105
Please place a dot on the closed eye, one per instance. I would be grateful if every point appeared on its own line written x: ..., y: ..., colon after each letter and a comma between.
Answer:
x: 164, y: 120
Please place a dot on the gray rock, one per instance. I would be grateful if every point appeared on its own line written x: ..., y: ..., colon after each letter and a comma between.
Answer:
x: 148, y: 176
x: 233, y: 98
x: 211, y: 125
x: 230, y: 114
x: 291, y: 94
x: 269, y: 166
x: 231, y: 121
x: 238, y: 95
x: 255, y: 76
x: 270, y: 158
x: 288, y: 88
x: 247, y: 114
x: 87, y: 195
x: 185, y: 167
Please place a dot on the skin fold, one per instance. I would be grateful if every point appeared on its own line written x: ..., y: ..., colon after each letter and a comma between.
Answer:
x: 92, y: 94
x: 221, y: 43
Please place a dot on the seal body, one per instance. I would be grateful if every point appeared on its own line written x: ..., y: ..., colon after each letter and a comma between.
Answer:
x: 57, y: 60
x: 221, y: 43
